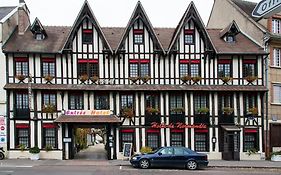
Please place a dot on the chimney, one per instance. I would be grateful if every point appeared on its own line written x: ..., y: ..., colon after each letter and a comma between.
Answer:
x: 23, y: 17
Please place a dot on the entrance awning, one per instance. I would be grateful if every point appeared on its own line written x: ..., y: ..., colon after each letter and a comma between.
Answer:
x: 231, y: 128
x: 88, y: 119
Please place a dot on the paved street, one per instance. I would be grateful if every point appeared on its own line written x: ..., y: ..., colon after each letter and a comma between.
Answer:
x: 126, y: 170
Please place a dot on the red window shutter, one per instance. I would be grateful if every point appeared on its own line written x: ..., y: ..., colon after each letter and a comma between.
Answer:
x: 127, y: 130
x: 22, y: 126
x: 49, y: 125
x: 201, y: 130
x: 88, y: 61
x: 189, y: 31
x: 48, y: 60
x: 138, y: 31
x: 152, y: 130
x: 250, y: 61
x: 22, y: 59
x: 224, y: 61
x: 87, y: 31
x: 250, y: 131
x: 177, y: 130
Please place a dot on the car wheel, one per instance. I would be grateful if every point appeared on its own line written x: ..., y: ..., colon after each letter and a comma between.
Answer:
x: 191, y: 165
x: 144, y: 163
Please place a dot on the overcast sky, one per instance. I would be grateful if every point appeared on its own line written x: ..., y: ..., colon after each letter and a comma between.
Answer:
x: 112, y: 13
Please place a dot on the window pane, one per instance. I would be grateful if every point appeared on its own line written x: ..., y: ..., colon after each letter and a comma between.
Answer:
x: 276, y: 94
x: 138, y: 38
x: 248, y: 70
x: 82, y: 68
x: 94, y: 70
x: 76, y: 101
x: 87, y: 38
x: 49, y: 137
x: 153, y: 140
x: 201, y: 142
x: 101, y: 102
x: 176, y: 139
x: 183, y: 70
x: 144, y: 70
x: 133, y: 70
x: 194, y: 70
x: 126, y: 101
x: 188, y: 39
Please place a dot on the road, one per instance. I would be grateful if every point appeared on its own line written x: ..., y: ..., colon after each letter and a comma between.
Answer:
x: 126, y: 170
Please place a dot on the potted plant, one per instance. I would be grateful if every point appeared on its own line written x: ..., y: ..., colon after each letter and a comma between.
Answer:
x: 226, y: 79
x: 49, y: 108
x: 127, y: 112
x: 146, y: 149
x: 251, y: 151
x: 20, y: 77
x: 196, y: 79
x: 151, y: 110
x: 94, y: 79
x: 21, y: 147
x: 276, y: 156
x: 34, y: 151
x: 48, y: 148
x: 253, y: 111
x: 203, y: 110
x: 83, y: 78
x: 145, y: 79
x: 48, y: 78
x: 177, y: 110
x: 228, y: 110
x: 251, y: 79
x: 134, y: 79
x: 186, y: 78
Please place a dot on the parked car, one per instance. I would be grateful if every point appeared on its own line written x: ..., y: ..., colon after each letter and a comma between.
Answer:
x: 179, y: 157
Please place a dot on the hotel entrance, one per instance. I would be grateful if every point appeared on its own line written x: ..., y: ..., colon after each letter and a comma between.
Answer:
x: 88, y: 134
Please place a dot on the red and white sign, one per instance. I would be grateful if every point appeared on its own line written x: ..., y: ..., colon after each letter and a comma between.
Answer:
x: 3, y: 131
x: 87, y: 112
x: 178, y: 125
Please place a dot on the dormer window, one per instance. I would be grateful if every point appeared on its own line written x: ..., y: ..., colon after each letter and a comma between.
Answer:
x: 189, y: 36
x: 87, y: 37
x: 230, y: 38
x: 38, y: 30
x: 138, y: 36
x: 39, y: 36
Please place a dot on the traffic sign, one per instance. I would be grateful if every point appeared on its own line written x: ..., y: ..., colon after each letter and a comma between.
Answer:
x: 267, y: 8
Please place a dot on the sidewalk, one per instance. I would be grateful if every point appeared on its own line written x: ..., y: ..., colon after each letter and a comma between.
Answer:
x: 212, y: 164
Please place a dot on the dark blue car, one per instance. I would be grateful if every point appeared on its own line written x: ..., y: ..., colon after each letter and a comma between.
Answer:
x: 178, y: 157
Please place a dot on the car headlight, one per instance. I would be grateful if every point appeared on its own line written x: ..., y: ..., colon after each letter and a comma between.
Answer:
x: 134, y: 158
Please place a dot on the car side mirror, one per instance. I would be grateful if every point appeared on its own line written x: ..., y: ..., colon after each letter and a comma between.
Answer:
x: 159, y: 154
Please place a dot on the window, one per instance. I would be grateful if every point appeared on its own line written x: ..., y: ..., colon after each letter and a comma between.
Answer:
x: 101, y: 101
x: 22, y: 135
x: 49, y: 101
x: 250, y: 141
x: 201, y: 140
x: 177, y: 139
x: 127, y: 101
x: 48, y: 67
x: 250, y: 101
x: 230, y: 38
x: 21, y: 110
x: 276, y: 26
x: 184, y: 70
x: 139, y: 68
x: 153, y: 140
x: 189, y: 37
x: 249, y: 68
x: 200, y: 101
x: 88, y: 67
x: 39, y: 36
x: 224, y: 68
x: 49, y: 136
x: 127, y: 136
x: 190, y: 67
x: 138, y: 36
x: 176, y: 104
x: 76, y: 101
x: 225, y: 100
x: 167, y: 151
x: 276, y: 57
x: 87, y: 36
x: 180, y: 151
x: 152, y: 100
x: 276, y: 93
x: 21, y: 66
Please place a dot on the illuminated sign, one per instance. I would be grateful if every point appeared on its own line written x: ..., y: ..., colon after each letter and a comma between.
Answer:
x: 177, y: 125
x: 87, y: 112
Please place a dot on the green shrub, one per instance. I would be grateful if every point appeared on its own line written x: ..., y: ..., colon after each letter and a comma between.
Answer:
x: 48, y: 148
x: 34, y: 150
x: 145, y: 149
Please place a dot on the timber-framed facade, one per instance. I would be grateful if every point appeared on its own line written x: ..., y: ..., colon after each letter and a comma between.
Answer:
x: 184, y: 86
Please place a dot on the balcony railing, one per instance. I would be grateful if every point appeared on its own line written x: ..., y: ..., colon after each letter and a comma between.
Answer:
x: 150, y: 118
x: 175, y: 118
x: 23, y: 113
x: 202, y: 118
x: 226, y: 119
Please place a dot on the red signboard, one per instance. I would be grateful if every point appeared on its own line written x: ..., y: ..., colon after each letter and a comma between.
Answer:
x: 178, y: 125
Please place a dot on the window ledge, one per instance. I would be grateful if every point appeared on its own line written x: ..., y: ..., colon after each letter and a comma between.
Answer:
x: 276, y: 104
x: 275, y: 67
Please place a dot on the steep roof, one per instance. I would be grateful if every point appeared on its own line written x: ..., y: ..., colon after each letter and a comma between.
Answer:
x: 191, y: 13
x: 247, y: 7
x: 139, y: 13
x: 242, y: 44
x: 4, y: 11
x: 26, y: 43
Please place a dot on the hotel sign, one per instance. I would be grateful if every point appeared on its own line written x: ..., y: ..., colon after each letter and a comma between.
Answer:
x: 87, y: 112
x: 177, y: 125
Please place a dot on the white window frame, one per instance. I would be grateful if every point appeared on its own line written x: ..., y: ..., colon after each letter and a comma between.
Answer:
x: 276, y: 57
x: 276, y: 93
x: 276, y: 26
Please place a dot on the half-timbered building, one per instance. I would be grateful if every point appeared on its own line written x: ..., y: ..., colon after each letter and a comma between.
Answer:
x: 183, y: 86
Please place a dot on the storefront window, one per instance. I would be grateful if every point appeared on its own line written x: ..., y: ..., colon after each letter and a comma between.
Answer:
x: 153, y: 140
x: 177, y: 139
x: 22, y: 137
x: 49, y: 135
x: 201, y: 142
x: 250, y: 141
x: 127, y: 136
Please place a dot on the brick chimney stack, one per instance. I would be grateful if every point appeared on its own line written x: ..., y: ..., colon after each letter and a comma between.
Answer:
x: 23, y: 17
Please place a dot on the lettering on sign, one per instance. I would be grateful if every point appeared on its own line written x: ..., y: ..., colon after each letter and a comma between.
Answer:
x: 267, y: 8
x: 87, y: 112
x: 178, y: 125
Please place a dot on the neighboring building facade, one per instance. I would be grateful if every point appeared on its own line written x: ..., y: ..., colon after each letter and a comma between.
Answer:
x: 186, y: 86
x: 8, y: 23
x: 265, y: 32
